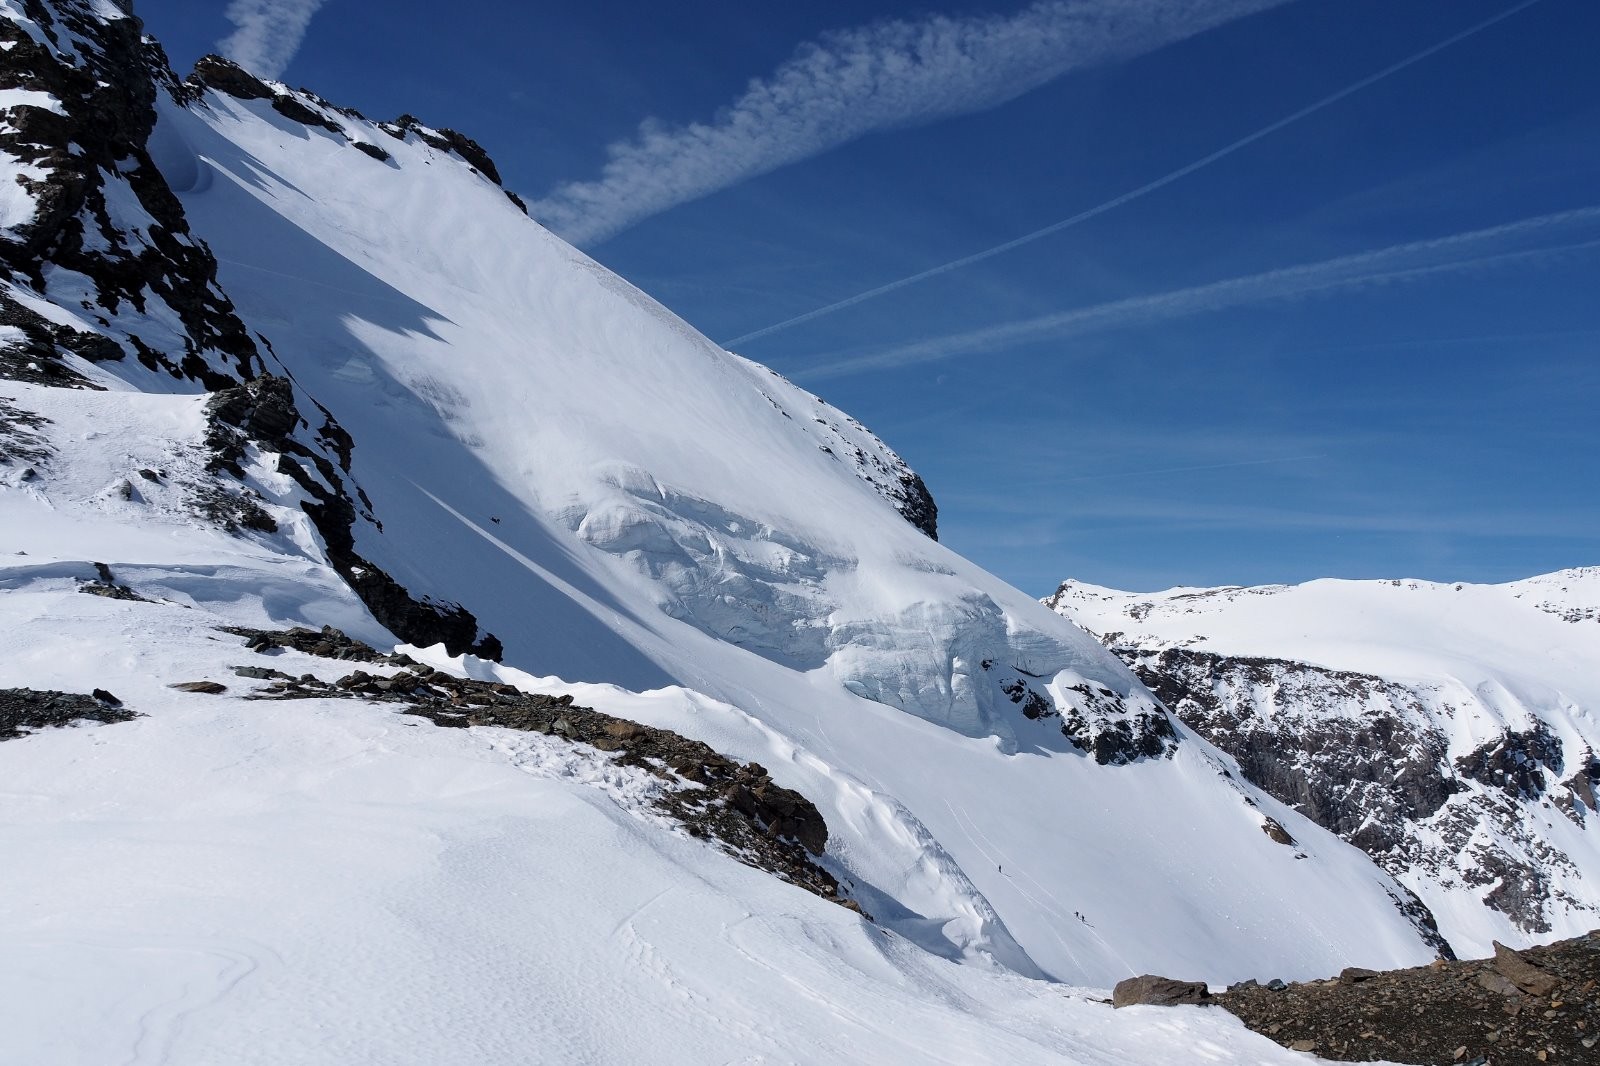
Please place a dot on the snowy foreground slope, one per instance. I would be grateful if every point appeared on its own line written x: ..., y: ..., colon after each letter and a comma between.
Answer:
x: 269, y: 363
x: 1450, y: 730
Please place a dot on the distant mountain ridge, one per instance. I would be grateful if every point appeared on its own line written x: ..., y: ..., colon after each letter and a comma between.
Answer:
x: 1449, y: 730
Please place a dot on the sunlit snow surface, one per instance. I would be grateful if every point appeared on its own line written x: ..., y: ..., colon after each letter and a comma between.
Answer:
x: 334, y: 882
x: 670, y: 529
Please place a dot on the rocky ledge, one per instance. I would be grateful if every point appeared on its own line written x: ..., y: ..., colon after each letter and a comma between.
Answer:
x: 713, y: 797
x: 25, y: 710
x: 1516, y: 1009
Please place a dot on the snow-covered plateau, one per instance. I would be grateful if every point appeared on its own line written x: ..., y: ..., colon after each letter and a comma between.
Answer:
x: 266, y: 363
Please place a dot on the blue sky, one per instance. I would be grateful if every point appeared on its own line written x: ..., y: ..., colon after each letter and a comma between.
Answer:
x: 1364, y: 344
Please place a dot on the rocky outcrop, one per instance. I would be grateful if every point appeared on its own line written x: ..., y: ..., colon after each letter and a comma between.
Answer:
x: 847, y: 441
x: 1094, y: 718
x: 104, y: 213
x: 264, y: 412
x: 1577, y: 799
x: 712, y: 797
x: 915, y: 503
x: 22, y: 444
x: 1515, y: 762
x: 447, y: 140
x: 104, y: 220
x: 1366, y: 776
x: 1516, y: 1009
x: 26, y: 710
x: 216, y: 74
x: 1355, y: 753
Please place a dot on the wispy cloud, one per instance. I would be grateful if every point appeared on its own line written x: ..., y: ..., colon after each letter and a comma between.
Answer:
x: 1515, y: 243
x: 852, y: 82
x: 267, y: 33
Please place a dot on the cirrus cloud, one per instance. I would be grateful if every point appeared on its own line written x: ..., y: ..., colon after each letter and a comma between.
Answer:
x: 267, y: 33
x: 853, y: 82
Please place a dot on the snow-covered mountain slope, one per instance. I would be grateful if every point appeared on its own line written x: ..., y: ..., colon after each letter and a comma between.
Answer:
x: 344, y: 883
x: 1449, y: 730
x: 370, y: 392
x: 329, y: 882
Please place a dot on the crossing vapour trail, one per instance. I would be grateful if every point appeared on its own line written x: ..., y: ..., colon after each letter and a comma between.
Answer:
x: 1521, y: 243
x: 1141, y: 191
x: 1190, y: 469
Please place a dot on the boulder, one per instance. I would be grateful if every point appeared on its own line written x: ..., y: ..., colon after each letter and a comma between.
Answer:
x: 1498, y: 984
x: 1275, y: 830
x: 207, y: 688
x: 1150, y: 990
x: 1522, y: 973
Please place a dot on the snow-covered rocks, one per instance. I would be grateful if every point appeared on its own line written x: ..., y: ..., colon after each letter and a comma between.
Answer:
x: 1447, y: 730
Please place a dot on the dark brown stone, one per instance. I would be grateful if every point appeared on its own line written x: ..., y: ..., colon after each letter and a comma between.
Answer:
x: 1522, y: 973
x: 206, y: 688
x: 1150, y: 990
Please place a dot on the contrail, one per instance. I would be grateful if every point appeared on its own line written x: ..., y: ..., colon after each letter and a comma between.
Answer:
x: 1476, y: 249
x: 1143, y: 190
x: 1189, y: 469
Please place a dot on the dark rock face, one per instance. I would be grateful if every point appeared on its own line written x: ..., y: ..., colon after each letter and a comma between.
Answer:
x: 757, y: 821
x: 1278, y: 834
x: 105, y: 76
x: 915, y: 503
x: 1104, y: 729
x: 24, y: 710
x: 448, y: 140
x: 1338, y: 774
x: 1515, y: 762
x: 1158, y: 992
x: 1517, y: 1009
x: 1353, y: 752
x: 37, y: 357
x: 225, y: 76
x: 264, y: 411
x: 1581, y: 790
x: 1098, y: 723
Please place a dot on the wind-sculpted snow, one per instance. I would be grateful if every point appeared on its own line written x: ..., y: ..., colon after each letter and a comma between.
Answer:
x: 735, y: 502
x: 1447, y: 730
